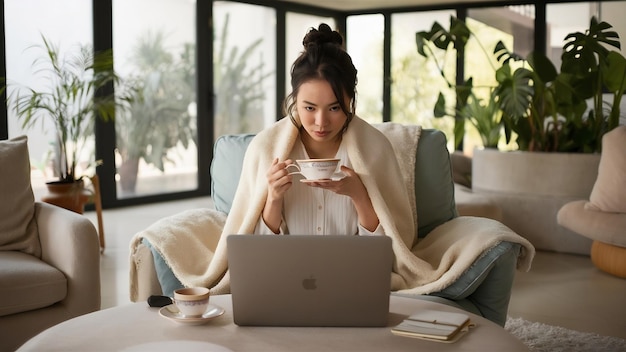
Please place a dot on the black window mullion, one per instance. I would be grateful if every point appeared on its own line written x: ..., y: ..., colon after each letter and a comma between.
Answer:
x: 205, y: 94
x: 387, y: 79
x: 105, y: 131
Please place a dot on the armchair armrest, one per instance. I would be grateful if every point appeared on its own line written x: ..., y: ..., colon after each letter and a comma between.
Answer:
x: 69, y: 242
x: 486, y: 284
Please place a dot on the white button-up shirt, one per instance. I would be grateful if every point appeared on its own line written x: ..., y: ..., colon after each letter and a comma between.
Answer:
x: 310, y: 210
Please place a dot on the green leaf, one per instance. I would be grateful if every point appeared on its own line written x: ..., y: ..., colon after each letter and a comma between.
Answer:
x: 503, y: 54
x: 440, y: 106
x: 583, y: 52
x: 615, y: 73
x: 514, y: 91
x: 542, y: 66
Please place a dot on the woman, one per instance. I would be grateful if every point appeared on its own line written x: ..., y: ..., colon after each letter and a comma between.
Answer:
x: 321, y: 106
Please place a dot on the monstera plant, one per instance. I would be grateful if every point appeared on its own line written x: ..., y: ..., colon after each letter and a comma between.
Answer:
x: 545, y: 109
x: 548, y: 109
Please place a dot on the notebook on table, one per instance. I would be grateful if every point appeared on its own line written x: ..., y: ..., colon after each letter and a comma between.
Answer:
x: 310, y: 280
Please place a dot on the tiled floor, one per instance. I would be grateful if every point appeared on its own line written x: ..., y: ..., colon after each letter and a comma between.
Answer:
x: 561, y: 289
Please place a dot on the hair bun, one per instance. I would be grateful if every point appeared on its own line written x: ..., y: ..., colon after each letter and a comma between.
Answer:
x: 324, y: 34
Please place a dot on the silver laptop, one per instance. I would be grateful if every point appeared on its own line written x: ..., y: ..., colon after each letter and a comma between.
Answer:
x: 310, y: 280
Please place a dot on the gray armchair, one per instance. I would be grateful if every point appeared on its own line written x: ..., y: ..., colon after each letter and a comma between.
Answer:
x: 484, y: 289
x: 49, y: 256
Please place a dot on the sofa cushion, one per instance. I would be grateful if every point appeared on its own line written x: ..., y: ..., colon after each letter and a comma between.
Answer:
x: 608, y: 193
x: 28, y: 283
x: 596, y: 225
x: 434, y: 187
x: 18, y: 229
x: 228, y: 153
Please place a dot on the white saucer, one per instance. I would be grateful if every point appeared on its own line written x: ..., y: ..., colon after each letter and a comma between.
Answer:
x: 336, y: 177
x: 172, y: 313
x: 304, y: 180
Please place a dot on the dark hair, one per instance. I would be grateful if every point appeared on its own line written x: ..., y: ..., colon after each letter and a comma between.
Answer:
x: 324, y: 58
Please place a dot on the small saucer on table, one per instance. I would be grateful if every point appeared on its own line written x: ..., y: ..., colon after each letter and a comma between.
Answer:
x: 172, y: 313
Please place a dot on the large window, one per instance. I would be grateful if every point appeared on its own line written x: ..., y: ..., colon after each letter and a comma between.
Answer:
x: 234, y: 78
x: 563, y: 19
x: 416, y: 82
x: 365, y: 36
x: 67, y: 25
x: 244, y: 67
x: 156, y: 140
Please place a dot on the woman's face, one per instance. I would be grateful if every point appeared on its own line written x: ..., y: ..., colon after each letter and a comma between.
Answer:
x: 319, y: 111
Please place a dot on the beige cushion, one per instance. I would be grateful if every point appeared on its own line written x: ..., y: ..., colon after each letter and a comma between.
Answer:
x: 609, y: 190
x: 28, y: 283
x: 600, y: 226
x: 18, y: 229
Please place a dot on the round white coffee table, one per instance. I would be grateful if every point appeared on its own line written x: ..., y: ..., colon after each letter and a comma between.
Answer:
x: 137, y: 327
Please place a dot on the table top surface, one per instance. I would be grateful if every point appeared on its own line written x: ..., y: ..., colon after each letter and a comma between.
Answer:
x: 138, y: 327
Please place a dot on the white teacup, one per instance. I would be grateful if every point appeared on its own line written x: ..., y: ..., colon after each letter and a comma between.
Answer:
x: 192, y: 302
x: 315, y: 169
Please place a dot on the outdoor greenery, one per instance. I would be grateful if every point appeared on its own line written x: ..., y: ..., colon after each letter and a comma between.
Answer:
x: 410, y: 96
x: 165, y: 117
x: 544, y: 109
x: 72, y: 100
x: 238, y: 86
x: 161, y: 120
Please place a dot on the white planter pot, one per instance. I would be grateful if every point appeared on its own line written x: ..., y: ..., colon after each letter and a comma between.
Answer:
x: 530, y: 188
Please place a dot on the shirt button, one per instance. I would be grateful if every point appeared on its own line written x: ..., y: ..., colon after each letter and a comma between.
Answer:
x: 319, y: 207
x: 319, y: 229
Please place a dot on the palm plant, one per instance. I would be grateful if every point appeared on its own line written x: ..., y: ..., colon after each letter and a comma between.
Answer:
x: 238, y: 86
x: 161, y: 119
x: 72, y: 100
x: 486, y: 117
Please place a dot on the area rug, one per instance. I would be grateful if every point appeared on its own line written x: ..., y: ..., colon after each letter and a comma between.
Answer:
x: 541, y: 337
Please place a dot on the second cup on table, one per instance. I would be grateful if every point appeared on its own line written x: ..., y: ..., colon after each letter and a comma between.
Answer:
x: 192, y: 302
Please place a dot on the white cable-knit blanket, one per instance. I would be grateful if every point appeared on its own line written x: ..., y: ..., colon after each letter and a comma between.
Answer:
x: 193, y: 242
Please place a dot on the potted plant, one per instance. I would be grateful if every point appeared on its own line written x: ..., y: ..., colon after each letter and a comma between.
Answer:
x: 72, y: 101
x: 546, y: 109
x: 558, y: 137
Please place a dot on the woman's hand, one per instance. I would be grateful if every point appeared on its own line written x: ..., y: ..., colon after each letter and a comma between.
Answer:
x: 350, y: 185
x: 279, y: 181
